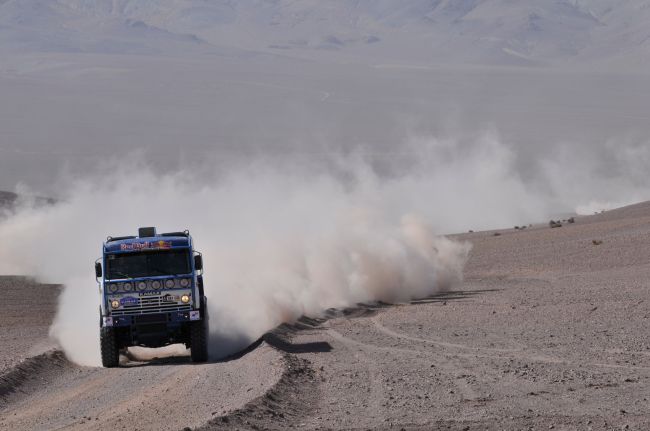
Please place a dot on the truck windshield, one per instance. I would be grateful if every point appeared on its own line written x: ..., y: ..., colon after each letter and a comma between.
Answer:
x: 147, y: 264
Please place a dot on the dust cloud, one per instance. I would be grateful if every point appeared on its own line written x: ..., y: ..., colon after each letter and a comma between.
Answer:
x: 279, y: 241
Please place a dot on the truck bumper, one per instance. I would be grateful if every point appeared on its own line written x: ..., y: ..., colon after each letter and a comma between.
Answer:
x: 173, y: 317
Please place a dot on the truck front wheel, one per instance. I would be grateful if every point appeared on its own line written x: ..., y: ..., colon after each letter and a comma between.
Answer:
x: 199, y: 341
x: 109, y: 349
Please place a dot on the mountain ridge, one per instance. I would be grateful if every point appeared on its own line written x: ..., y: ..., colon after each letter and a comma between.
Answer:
x: 420, y: 31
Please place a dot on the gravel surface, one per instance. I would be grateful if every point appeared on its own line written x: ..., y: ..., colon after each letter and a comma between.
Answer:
x: 550, y: 330
x: 164, y: 395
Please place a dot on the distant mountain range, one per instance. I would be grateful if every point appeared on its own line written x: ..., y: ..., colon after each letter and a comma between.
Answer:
x: 502, y: 32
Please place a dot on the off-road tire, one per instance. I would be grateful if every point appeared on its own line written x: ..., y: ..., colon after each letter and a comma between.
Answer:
x: 110, y: 351
x: 199, y: 341
x: 199, y: 334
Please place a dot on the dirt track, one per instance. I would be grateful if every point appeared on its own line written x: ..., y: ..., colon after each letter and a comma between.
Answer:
x: 46, y: 391
x: 549, y: 331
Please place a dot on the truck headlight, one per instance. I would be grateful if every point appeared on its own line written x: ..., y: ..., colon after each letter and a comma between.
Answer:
x: 169, y: 283
x: 185, y: 282
x: 127, y: 287
x: 155, y: 284
x: 142, y: 285
x: 185, y: 299
x: 112, y: 287
x: 115, y: 303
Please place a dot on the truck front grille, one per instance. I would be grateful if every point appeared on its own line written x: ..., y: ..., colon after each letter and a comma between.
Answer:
x: 151, y: 305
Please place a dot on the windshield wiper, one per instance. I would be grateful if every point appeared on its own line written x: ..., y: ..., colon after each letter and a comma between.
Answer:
x: 122, y: 274
x: 162, y: 272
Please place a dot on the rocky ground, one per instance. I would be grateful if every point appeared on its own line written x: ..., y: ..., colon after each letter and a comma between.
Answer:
x: 550, y: 330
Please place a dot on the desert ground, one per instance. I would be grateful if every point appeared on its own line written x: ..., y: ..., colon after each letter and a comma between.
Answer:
x: 549, y: 330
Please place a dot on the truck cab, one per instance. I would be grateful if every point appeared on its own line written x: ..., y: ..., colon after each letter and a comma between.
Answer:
x: 151, y: 294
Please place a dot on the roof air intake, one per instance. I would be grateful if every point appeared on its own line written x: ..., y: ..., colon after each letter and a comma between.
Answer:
x: 146, y: 232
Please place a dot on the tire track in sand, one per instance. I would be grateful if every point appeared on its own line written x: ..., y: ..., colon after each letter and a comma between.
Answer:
x: 448, y: 363
x: 159, y: 395
x: 522, y: 353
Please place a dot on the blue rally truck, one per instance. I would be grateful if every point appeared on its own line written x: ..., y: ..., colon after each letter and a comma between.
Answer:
x: 151, y: 294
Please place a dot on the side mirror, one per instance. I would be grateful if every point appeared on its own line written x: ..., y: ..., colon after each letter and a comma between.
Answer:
x: 198, y: 262
x: 98, y: 269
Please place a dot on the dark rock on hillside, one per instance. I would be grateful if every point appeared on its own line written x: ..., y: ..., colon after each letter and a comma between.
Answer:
x: 7, y: 199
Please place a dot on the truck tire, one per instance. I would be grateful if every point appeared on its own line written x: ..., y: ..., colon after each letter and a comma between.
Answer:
x: 110, y: 351
x: 199, y: 341
x: 199, y: 334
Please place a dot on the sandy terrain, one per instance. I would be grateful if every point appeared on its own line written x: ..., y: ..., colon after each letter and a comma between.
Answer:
x: 549, y: 331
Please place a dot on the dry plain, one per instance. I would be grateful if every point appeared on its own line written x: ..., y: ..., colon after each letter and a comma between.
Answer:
x: 549, y: 330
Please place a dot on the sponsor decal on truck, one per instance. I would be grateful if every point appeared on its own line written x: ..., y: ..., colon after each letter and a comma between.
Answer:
x: 129, y: 300
x: 146, y: 245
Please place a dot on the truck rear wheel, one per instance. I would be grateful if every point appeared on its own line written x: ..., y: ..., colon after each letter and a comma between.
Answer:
x: 199, y: 341
x: 109, y: 349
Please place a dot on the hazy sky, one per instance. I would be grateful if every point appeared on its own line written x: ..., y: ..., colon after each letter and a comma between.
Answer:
x: 185, y: 83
